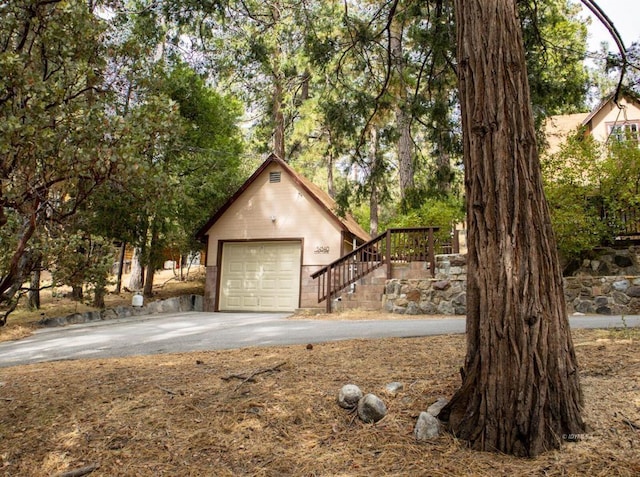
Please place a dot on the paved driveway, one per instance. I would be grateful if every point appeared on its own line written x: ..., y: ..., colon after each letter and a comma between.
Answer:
x: 195, y: 331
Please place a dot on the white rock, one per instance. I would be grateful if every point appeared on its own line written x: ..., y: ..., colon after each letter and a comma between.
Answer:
x: 393, y: 388
x: 427, y: 427
x: 437, y: 406
x: 349, y: 396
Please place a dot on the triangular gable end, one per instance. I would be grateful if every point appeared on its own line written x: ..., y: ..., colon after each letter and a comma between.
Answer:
x: 629, y: 96
x: 321, y: 198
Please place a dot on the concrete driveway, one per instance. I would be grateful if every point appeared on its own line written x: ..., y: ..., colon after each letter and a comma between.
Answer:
x: 197, y: 331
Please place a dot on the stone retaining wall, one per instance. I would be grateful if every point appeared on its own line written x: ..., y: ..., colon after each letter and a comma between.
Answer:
x: 170, y: 305
x: 613, y: 295
x: 425, y: 297
x: 446, y: 293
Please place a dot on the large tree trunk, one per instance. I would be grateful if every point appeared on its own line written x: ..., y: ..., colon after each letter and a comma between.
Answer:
x: 374, y: 193
x: 444, y: 173
x: 520, y: 392
x: 403, y: 118
x: 278, y: 120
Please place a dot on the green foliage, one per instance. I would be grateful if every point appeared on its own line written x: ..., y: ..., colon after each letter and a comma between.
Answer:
x: 571, y: 187
x: 58, y: 140
x: 207, y: 167
x: 555, y: 44
x: 588, y: 186
x: 442, y: 212
x: 81, y: 259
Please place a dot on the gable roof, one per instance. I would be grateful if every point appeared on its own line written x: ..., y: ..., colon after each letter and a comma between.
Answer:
x: 324, y: 200
x: 625, y: 93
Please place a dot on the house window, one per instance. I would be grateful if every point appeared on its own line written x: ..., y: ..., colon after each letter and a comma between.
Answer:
x: 624, y: 131
x: 274, y: 177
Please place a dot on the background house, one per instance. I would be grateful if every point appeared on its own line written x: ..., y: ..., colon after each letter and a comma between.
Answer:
x: 264, y: 244
x: 606, y: 120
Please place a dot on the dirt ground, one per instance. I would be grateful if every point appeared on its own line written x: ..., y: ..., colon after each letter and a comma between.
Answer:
x: 273, y: 412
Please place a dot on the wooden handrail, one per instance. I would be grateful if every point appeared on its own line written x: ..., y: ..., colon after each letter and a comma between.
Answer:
x: 395, y: 245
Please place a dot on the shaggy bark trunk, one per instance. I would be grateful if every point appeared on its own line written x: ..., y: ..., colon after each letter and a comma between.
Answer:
x: 278, y: 120
x: 405, y: 156
x: 444, y: 174
x: 520, y: 392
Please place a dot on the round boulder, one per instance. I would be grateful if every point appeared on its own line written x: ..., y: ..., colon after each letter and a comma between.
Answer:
x: 349, y: 396
x: 427, y: 427
x: 371, y: 408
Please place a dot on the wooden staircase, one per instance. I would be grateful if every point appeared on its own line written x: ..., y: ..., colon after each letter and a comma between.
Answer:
x: 398, y: 245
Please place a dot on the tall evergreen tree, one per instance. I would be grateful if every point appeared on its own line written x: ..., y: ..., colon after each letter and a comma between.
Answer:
x: 520, y: 392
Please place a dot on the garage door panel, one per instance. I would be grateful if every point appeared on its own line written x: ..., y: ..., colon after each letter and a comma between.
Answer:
x: 268, y: 274
x: 251, y: 267
x: 234, y: 284
x: 249, y: 301
x: 269, y: 302
x: 269, y: 284
x: 283, y: 283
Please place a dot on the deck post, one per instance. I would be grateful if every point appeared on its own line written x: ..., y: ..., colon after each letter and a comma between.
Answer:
x: 388, y: 252
x: 432, y: 255
x: 456, y: 240
x: 328, y: 294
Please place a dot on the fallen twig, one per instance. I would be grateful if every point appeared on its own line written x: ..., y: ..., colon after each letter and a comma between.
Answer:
x: 631, y: 424
x: 79, y: 472
x: 249, y: 378
x: 169, y: 391
x: 167, y: 281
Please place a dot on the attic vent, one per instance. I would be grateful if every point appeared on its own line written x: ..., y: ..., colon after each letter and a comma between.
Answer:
x: 274, y: 177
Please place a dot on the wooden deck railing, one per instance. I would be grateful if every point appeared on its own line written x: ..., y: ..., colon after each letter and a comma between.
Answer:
x: 394, y: 245
x: 625, y: 222
x: 630, y: 222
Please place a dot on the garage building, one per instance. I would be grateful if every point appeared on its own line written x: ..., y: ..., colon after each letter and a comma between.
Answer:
x: 267, y: 240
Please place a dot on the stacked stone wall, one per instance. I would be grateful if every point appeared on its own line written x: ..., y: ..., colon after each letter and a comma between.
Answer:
x: 445, y: 294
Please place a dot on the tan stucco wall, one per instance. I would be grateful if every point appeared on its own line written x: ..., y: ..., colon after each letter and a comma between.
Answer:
x: 283, y: 210
x: 610, y: 114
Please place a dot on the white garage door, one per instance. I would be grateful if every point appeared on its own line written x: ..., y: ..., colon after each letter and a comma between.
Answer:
x: 260, y: 276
